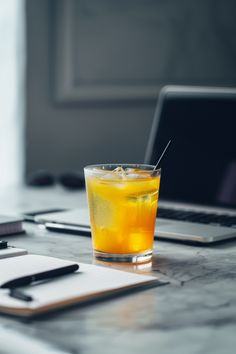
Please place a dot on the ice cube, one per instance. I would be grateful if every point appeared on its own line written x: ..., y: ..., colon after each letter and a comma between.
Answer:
x: 131, y: 170
x: 134, y: 173
x: 119, y: 172
x: 108, y: 175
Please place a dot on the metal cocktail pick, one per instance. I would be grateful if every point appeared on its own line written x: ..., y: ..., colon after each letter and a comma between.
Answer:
x: 160, y: 158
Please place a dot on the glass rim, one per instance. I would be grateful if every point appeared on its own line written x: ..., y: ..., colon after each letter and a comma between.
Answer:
x: 111, y: 166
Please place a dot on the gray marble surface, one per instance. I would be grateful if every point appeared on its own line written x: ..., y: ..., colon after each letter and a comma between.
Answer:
x: 194, y: 313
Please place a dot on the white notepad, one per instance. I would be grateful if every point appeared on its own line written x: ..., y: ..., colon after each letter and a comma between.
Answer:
x: 10, y: 225
x: 90, y: 282
x: 12, y: 252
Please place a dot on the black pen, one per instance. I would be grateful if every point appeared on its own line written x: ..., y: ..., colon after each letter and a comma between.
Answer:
x: 20, y: 295
x: 49, y: 274
x: 3, y: 245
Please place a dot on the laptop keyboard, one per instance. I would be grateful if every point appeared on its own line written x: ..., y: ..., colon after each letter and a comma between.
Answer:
x: 198, y: 217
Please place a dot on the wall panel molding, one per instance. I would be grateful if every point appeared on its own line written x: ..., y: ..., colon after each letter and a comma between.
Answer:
x: 111, y: 50
x: 69, y: 88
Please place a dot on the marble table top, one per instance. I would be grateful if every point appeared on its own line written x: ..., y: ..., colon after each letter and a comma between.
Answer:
x: 194, y: 313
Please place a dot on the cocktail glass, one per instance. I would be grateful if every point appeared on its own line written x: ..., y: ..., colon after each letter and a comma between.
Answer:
x: 122, y: 201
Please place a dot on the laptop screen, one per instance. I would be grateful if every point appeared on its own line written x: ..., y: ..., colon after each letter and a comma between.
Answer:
x: 200, y: 166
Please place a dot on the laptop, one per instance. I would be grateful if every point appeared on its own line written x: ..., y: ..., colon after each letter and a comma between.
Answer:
x: 198, y: 180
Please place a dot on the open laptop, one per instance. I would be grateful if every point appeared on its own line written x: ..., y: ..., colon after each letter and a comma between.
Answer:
x: 198, y: 182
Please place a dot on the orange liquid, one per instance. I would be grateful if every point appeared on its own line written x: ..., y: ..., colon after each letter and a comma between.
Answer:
x: 123, y: 213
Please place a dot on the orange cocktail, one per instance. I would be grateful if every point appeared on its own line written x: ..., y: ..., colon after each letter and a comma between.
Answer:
x: 122, y: 203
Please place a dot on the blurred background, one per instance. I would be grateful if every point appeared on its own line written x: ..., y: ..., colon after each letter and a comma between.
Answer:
x: 79, y: 79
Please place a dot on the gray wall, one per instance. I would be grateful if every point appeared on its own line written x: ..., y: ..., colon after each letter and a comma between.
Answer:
x: 94, y: 70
